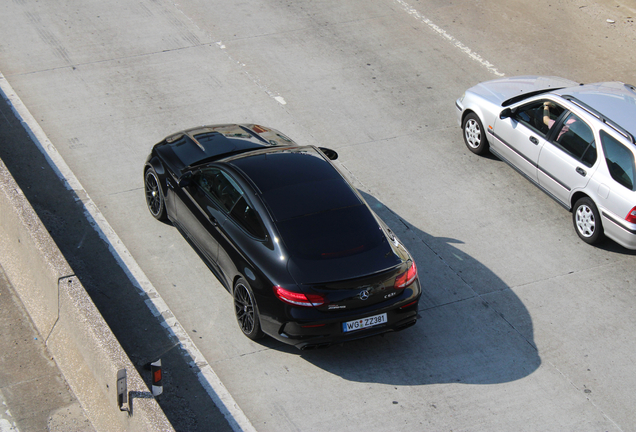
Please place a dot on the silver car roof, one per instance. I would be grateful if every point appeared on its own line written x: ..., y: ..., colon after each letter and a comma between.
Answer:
x: 614, y: 100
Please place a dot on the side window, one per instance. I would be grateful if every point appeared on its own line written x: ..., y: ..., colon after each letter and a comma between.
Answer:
x: 619, y: 159
x: 247, y: 217
x: 219, y: 186
x: 227, y: 193
x: 539, y: 115
x: 576, y: 138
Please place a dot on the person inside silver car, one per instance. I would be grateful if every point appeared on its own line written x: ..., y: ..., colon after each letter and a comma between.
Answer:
x: 549, y: 117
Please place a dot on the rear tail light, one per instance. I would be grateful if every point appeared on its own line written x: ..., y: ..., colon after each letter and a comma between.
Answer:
x: 631, y: 216
x: 406, y: 278
x: 299, y: 299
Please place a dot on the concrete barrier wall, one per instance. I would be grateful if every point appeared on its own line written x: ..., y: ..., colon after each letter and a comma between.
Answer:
x: 29, y: 253
x: 76, y: 335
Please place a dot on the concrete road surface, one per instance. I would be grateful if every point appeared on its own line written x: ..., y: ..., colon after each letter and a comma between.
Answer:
x: 523, y: 327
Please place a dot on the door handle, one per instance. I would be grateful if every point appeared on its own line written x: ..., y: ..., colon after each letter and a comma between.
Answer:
x: 211, y: 218
x: 581, y: 171
x: 534, y: 141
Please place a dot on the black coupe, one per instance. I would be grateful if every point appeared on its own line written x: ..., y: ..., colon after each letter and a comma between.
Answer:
x: 305, y: 258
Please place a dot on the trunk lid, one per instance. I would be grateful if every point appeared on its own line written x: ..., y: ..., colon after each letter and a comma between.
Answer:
x: 359, y: 292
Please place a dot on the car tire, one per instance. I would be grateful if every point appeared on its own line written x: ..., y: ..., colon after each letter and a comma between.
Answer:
x: 474, y: 134
x: 246, y: 310
x: 587, y: 221
x: 154, y: 195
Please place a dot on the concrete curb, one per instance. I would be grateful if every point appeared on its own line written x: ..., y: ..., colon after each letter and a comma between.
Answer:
x: 82, y: 344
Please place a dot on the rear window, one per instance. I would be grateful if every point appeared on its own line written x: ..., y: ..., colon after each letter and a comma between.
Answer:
x: 331, y: 234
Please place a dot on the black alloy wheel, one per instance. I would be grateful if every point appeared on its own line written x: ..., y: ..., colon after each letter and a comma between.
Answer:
x: 246, y: 310
x: 154, y: 196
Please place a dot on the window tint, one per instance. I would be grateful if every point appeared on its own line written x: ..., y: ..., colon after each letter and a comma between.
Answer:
x: 219, y: 186
x: 576, y: 138
x: 539, y: 115
x: 247, y: 217
x: 227, y: 193
x: 620, y: 161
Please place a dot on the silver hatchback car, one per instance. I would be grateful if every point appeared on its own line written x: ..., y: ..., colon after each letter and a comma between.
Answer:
x: 575, y: 142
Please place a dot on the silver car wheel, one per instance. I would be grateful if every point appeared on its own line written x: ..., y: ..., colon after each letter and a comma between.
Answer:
x: 473, y: 133
x: 474, y: 136
x: 585, y: 221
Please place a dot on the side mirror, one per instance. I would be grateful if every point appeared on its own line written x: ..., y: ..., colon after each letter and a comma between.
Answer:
x: 331, y: 154
x: 185, y: 179
x: 507, y: 113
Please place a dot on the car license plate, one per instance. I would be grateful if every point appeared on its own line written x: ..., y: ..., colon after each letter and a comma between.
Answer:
x: 364, y: 323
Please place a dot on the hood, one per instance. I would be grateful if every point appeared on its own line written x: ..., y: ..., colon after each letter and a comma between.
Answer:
x: 500, y: 90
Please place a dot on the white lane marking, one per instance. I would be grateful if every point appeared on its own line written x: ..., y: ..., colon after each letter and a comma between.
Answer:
x: 274, y: 95
x: 207, y: 377
x: 6, y: 426
x: 6, y: 420
x: 473, y: 55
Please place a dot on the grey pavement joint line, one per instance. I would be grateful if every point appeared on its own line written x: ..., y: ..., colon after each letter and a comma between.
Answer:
x: 589, y: 399
x: 113, y: 59
x: 477, y: 294
x: 274, y: 95
x: 222, y: 398
x: 441, y: 258
x: 395, y: 137
x: 464, y: 281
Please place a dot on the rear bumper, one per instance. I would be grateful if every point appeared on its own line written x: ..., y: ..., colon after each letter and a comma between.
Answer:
x: 619, y: 231
x: 325, y: 341
x: 329, y: 330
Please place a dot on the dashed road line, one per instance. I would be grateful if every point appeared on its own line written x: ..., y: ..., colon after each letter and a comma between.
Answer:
x: 443, y: 33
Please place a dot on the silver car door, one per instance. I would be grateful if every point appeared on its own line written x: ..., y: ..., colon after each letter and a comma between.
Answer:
x: 568, y: 160
x: 518, y: 139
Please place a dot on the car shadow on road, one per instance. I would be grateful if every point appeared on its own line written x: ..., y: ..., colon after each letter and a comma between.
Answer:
x: 472, y: 328
x: 611, y: 246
